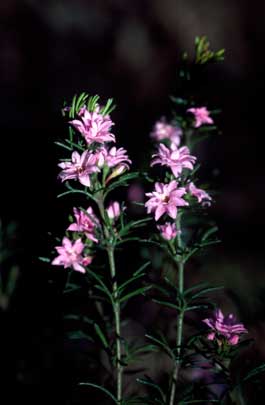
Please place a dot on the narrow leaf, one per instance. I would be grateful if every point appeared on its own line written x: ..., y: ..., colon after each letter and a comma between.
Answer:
x: 101, y: 335
x: 132, y: 294
x: 107, y: 392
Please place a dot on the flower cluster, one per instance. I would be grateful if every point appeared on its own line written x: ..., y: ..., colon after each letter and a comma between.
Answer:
x: 174, y: 158
x: 86, y: 221
x: 95, y: 128
x: 98, y: 164
x: 80, y: 168
x: 173, y: 203
x: 167, y: 197
x: 224, y: 328
x: 70, y: 255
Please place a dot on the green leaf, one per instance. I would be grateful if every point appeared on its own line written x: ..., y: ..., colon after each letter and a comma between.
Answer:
x: 204, y: 291
x: 190, y: 254
x: 209, y: 232
x: 102, y: 286
x: 121, y: 182
x: 134, y: 224
x: 142, y: 268
x: 79, y: 318
x: 71, y: 287
x: 132, y: 239
x: 44, y: 259
x: 162, y: 344
x: 151, y: 242
x: 63, y: 146
x: 81, y: 101
x: 128, y: 282
x: 92, y: 102
x: 152, y: 384
x: 171, y: 284
x: 76, y: 145
x: 195, y: 307
x: 101, y: 335
x: 72, y: 110
x: 258, y: 370
x: 108, y: 108
x: 179, y: 100
x: 211, y: 242
x: 166, y: 304
x: 78, y: 335
x: 132, y: 294
x: 107, y: 392
x: 76, y: 191
x: 196, y: 287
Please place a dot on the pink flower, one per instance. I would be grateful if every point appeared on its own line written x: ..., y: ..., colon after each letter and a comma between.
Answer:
x: 114, y: 210
x: 85, y: 222
x: 224, y: 327
x: 168, y: 230
x: 70, y: 255
x: 200, y: 194
x: 201, y: 115
x: 165, y: 199
x: 176, y: 159
x: 87, y: 261
x: 94, y: 126
x: 80, y: 168
x: 112, y: 157
x: 163, y: 130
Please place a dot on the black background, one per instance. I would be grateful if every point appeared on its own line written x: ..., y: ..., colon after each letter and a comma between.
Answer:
x: 127, y: 50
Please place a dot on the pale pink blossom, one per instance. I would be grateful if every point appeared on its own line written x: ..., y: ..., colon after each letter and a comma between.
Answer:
x: 163, y: 130
x: 114, y: 210
x: 224, y: 327
x: 166, y: 199
x: 112, y: 157
x: 70, y: 255
x: 79, y: 168
x: 94, y: 126
x: 176, y: 159
x: 85, y: 222
x: 200, y: 194
x: 168, y: 230
x: 201, y: 116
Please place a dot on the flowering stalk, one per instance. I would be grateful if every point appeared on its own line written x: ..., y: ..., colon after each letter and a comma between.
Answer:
x: 180, y: 265
x: 97, y: 168
x: 117, y: 318
x: 116, y: 303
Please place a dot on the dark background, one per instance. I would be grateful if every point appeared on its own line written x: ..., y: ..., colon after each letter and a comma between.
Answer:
x: 128, y: 50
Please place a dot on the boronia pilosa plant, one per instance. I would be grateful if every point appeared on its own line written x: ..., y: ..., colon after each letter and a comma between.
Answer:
x: 92, y: 170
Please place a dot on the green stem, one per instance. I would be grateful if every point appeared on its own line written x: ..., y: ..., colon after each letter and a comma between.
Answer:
x: 116, y: 302
x: 116, y: 309
x: 188, y: 142
x: 179, y: 337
